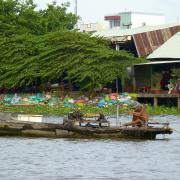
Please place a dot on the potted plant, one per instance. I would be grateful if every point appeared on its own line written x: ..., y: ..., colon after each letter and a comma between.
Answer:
x: 176, y: 80
x: 155, y: 83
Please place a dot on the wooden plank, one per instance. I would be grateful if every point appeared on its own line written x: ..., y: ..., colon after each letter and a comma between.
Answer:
x: 178, y: 100
x: 158, y: 95
x: 155, y: 102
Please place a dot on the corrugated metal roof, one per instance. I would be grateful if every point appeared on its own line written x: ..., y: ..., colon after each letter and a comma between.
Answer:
x: 117, y: 32
x: 169, y: 50
x: 148, y: 42
x: 158, y: 62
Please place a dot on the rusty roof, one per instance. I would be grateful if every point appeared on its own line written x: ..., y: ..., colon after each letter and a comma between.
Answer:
x: 148, y: 42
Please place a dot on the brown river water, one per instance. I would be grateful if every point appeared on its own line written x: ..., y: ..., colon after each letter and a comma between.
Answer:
x: 66, y: 159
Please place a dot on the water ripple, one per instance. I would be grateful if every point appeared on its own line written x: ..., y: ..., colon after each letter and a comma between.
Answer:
x: 43, y: 158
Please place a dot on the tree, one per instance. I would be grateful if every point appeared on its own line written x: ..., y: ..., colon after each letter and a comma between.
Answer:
x: 17, y: 17
x: 39, y: 44
x: 86, y: 60
x: 57, y: 19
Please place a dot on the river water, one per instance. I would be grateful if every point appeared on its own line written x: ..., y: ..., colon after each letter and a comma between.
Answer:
x: 56, y: 159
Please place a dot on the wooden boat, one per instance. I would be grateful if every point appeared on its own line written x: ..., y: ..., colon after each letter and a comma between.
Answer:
x: 99, y: 127
x: 80, y: 128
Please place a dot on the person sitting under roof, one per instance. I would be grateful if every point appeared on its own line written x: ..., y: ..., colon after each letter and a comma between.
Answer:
x: 140, y: 116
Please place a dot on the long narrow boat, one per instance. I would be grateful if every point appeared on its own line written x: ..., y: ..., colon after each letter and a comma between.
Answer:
x: 80, y: 128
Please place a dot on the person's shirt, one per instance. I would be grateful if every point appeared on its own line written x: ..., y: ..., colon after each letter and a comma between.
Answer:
x: 141, y: 113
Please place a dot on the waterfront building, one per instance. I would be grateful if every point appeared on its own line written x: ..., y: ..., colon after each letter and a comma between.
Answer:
x: 151, y: 79
x: 123, y: 20
x: 130, y: 19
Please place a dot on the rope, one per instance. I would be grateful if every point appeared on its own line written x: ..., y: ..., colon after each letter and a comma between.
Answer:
x: 171, y: 128
x: 175, y: 130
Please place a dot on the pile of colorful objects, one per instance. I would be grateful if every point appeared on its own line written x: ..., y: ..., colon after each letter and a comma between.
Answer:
x: 105, y: 101
x: 115, y: 98
x: 36, y: 99
x: 71, y: 103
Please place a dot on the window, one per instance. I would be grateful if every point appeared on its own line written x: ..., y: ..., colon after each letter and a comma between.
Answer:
x: 114, y: 23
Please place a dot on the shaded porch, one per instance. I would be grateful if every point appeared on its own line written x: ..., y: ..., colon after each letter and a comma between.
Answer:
x: 150, y: 81
x: 151, y: 78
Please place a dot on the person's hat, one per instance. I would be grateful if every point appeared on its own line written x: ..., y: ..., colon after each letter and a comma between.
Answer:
x: 135, y: 105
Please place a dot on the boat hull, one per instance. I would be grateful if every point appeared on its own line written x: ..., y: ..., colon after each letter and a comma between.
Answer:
x: 31, y: 129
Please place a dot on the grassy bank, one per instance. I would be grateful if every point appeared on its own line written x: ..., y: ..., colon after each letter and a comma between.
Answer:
x: 59, y: 110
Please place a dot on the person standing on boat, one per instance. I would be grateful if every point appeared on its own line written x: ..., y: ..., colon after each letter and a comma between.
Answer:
x: 140, y: 116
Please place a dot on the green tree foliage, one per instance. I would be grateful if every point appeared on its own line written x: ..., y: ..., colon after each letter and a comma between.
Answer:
x: 56, y: 18
x: 85, y: 60
x: 17, y: 17
x: 38, y: 44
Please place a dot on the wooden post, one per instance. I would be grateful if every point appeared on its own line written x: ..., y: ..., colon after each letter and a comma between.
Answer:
x: 75, y: 8
x: 134, y: 84
x: 117, y: 46
x: 151, y: 76
x: 117, y: 85
x: 155, y: 102
x: 123, y: 83
x: 178, y: 102
x: 70, y: 85
x: 117, y: 120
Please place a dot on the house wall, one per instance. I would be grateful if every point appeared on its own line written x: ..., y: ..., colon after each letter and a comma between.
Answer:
x: 125, y: 22
x: 93, y: 27
x: 139, y: 20
x: 128, y: 20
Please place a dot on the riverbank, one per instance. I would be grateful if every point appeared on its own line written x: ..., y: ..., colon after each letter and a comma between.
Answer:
x: 60, y: 110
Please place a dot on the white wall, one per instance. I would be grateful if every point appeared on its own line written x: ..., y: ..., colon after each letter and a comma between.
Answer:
x: 93, y: 27
x: 137, y: 20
